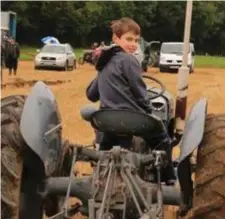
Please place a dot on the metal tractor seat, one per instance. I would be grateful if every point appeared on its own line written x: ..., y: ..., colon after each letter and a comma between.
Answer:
x: 128, y: 122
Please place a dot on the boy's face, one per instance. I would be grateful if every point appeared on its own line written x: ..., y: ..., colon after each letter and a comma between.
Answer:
x: 128, y: 41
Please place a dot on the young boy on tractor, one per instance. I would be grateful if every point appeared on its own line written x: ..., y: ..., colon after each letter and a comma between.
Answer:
x: 119, y: 83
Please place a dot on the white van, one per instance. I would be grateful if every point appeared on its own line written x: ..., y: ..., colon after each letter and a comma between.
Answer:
x: 171, y: 56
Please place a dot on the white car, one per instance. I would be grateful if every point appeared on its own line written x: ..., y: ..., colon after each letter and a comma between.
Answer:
x: 171, y: 55
x: 55, y: 56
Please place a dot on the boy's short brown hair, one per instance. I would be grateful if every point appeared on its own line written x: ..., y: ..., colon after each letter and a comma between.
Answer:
x: 124, y: 25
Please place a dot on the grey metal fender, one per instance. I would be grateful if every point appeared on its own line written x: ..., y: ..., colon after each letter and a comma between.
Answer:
x: 192, y: 137
x: 41, y: 127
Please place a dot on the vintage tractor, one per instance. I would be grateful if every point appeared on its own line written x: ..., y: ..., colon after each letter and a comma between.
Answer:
x: 151, y: 56
x: 127, y: 182
x: 88, y: 57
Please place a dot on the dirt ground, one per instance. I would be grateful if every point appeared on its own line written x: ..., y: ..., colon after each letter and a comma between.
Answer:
x: 69, y: 90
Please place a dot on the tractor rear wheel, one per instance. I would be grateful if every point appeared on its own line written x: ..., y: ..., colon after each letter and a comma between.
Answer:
x: 19, y: 199
x: 152, y: 60
x: 209, y: 196
x: 15, y: 182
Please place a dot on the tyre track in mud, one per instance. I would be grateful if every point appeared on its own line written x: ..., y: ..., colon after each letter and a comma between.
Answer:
x: 17, y: 83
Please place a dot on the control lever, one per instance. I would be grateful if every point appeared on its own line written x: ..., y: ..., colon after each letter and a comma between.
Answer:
x: 159, y: 155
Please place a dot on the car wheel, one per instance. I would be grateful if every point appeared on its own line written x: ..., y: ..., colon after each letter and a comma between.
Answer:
x: 145, y: 69
x: 162, y: 70
x: 66, y: 66
x: 71, y: 67
x: 75, y: 64
x: 191, y: 70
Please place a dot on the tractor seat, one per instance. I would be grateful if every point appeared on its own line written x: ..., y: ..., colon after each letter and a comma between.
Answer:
x: 127, y: 122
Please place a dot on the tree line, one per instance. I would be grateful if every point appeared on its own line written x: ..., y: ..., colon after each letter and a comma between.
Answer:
x: 82, y: 23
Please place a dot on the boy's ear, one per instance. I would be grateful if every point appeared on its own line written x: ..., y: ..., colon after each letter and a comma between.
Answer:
x: 114, y: 38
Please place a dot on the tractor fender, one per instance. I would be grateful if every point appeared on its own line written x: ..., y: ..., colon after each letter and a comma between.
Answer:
x: 194, y: 129
x: 40, y: 126
x: 191, y: 139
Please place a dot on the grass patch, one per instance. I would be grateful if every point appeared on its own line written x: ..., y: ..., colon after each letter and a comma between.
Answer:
x: 209, y: 62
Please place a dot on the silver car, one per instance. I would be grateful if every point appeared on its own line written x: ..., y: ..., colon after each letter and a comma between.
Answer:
x: 56, y: 56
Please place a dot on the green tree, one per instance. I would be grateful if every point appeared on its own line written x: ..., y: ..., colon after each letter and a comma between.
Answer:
x: 81, y: 23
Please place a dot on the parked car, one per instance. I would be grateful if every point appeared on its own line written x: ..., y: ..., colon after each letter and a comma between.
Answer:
x: 171, y: 55
x: 139, y: 54
x: 59, y: 56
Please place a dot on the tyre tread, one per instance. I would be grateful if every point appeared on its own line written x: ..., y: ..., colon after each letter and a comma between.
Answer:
x: 209, y: 196
x: 11, y: 163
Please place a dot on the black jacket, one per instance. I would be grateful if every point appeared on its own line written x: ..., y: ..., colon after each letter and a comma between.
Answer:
x: 119, y: 84
x: 12, y: 51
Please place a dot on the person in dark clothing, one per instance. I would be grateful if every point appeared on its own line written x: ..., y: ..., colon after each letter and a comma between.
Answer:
x: 12, y: 53
x: 2, y: 57
x: 3, y: 48
x: 119, y: 84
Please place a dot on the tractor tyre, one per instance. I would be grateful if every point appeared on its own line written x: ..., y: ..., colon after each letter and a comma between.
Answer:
x: 15, y: 183
x: 161, y: 70
x: 209, y: 195
x: 152, y: 60
x: 53, y: 204
x: 191, y: 70
x: 19, y: 184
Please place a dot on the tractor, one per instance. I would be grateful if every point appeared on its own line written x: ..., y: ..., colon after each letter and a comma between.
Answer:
x: 150, y: 54
x: 127, y: 182
x: 89, y: 56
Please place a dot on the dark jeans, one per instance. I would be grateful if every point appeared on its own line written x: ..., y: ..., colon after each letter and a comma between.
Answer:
x: 12, y: 64
x: 108, y: 140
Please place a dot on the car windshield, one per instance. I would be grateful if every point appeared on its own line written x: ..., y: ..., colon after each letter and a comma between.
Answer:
x: 53, y: 49
x: 172, y: 48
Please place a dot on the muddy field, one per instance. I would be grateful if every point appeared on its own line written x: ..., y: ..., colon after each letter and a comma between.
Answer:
x: 69, y: 90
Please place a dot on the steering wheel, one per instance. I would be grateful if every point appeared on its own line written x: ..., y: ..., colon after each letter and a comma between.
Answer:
x: 162, y: 87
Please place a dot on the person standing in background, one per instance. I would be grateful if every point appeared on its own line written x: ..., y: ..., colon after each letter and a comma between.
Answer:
x: 12, y: 54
